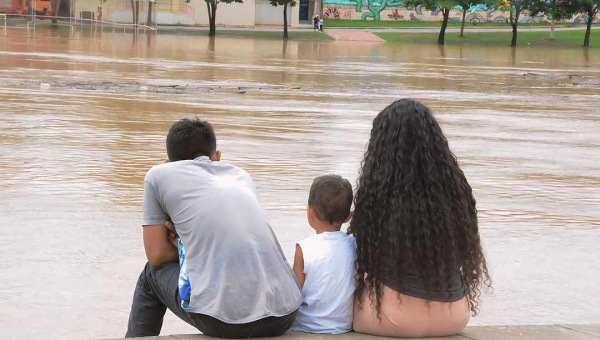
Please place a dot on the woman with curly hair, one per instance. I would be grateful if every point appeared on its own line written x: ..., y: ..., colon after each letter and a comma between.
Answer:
x: 419, y: 259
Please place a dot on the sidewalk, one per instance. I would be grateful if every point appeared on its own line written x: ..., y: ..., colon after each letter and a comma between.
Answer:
x: 550, y: 332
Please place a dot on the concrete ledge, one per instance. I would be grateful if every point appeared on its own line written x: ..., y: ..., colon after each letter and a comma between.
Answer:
x: 550, y: 332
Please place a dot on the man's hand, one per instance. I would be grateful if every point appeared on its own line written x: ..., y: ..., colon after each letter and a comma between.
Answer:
x: 171, y: 233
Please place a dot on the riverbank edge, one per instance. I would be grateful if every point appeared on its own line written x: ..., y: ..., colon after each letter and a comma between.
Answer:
x: 566, y: 37
x: 527, y: 332
x: 474, y: 36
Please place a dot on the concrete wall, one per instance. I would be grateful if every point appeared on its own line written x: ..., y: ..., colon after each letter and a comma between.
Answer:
x: 6, y: 6
x: 248, y: 14
x: 161, y: 18
x: 241, y: 15
x: 269, y: 15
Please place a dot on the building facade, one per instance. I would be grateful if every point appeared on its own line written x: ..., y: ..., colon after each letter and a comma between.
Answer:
x: 260, y: 12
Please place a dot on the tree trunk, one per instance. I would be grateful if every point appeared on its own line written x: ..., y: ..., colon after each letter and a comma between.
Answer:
x: 132, y: 12
x: 514, y: 22
x: 513, y: 41
x: 442, y: 36
x: 55, y: 10
x: 137, y: 13
x: 462, y: 25
x: 586, y: 41
x: 552, y: 23
x: 285, y: 24
x: 212, y: 18
x: 149, y: 19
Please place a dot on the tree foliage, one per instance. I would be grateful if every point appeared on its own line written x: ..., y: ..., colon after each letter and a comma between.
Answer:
x: 554, y: 9
x: 285, y: 4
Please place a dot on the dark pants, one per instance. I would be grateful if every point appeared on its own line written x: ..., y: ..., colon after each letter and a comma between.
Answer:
x: 157, y: 289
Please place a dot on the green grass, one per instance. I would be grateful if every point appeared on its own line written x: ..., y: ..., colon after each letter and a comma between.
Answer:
x: 256, y: 34
x: 339, y: 23
x: 293, y: 35
x: 524, y: 38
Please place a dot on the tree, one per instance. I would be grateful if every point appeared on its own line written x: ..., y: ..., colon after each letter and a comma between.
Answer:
x: 150, y: 6
x: 55, y: 4
x: 285, y: 4
x: 211, y: 5
x: 589, y: 8
x: 437, y: 6
x: 555, y: 9
x: 516, y: 8
x: 135, y: 10
x: 464, y: 5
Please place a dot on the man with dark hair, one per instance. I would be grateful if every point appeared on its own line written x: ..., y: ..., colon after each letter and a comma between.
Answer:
x: 188, y: 139
x: 232, y: 280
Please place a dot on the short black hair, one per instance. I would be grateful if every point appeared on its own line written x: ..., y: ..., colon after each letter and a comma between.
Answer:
x: 189, y: 139
x: 331, y: 198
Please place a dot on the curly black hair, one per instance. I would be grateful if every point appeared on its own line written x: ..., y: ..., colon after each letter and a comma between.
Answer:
x: 414, y: 209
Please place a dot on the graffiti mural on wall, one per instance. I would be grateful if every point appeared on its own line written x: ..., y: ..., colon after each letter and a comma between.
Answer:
x: 395, y: 10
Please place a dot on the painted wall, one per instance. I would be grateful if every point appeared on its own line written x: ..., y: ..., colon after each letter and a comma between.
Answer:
x: 395, y: 10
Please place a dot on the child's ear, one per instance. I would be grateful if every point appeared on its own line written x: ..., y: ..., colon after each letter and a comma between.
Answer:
x: 349, y: 217
x: 310, y: 213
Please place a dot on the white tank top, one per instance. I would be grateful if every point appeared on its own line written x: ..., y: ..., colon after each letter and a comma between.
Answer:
x: 329, y: 284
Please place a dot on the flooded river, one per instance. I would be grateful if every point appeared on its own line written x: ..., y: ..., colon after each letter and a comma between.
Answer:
x: 73, y: 153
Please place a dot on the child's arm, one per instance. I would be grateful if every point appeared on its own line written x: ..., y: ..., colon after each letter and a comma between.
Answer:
x: 299, y: 265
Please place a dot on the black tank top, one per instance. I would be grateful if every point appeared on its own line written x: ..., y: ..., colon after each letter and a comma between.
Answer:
x: 407, y: 282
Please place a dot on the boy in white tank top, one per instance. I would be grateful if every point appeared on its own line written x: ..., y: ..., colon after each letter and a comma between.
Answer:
x: 324, y: 263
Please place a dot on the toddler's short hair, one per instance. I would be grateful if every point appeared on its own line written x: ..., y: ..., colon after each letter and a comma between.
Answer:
x: 331, y: 198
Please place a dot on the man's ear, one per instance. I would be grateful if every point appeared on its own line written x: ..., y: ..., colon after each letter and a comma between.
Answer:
x: 349, y: 217
x: 216, y: 156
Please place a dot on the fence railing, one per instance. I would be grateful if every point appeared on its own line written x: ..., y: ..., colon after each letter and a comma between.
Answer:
x: 3, y: 16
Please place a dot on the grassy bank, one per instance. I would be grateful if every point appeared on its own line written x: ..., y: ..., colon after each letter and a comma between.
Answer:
x: 254, y: 34
x: 525, y: 38
x: 333, y: 23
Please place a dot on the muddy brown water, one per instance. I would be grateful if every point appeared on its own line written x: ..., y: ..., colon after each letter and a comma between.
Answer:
x: 524, y: 124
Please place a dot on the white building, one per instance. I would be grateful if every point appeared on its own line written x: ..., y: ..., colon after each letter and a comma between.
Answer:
x: 179, y: 12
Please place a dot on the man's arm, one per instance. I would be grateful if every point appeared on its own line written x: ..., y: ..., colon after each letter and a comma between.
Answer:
x: 299, y: 265
x: 159, y: 250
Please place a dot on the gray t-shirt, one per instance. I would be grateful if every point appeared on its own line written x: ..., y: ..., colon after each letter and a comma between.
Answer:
x: 232, y: 266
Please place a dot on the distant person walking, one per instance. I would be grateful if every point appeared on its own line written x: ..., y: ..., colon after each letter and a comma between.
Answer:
x: 321, y: 24
x: 316, y: 23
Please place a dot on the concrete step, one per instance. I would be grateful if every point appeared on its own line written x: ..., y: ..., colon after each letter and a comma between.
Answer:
x: 548, y: 332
